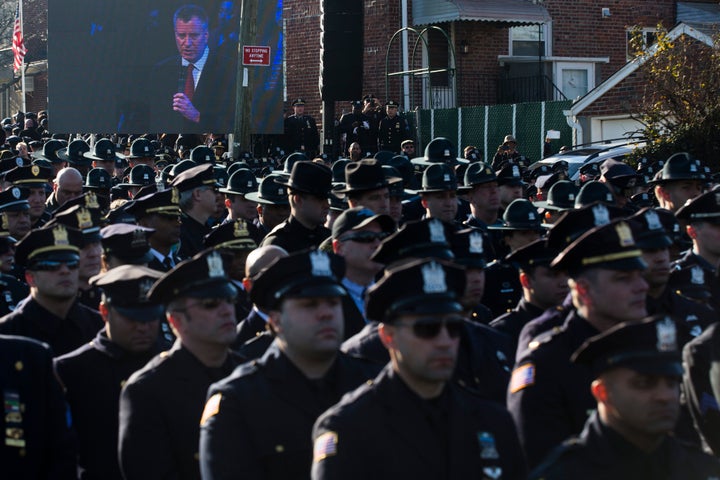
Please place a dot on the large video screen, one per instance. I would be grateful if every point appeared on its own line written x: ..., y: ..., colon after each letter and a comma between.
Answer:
x: 161, y: 66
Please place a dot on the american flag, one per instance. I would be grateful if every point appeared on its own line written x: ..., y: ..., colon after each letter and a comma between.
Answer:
x: 18, y: 44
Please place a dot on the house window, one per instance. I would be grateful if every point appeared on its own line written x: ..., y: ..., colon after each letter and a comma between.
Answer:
x: 574, y: 79
x: 648, y: 35
x: 529, y: 40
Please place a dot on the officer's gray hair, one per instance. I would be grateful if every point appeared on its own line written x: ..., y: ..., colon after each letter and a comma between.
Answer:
x: 186, y: 201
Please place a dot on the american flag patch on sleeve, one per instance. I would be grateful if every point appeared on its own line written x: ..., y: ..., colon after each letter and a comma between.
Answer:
x: 325, y: 446
x: 522, y: 377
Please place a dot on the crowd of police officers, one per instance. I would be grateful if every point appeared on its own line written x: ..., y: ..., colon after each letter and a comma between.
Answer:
x: 174, y: 311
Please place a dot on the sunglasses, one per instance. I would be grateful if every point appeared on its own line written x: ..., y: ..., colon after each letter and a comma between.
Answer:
x: 429, y: 328
x: 212, y: 303
x: 365, y: 237
x: 53, y: 266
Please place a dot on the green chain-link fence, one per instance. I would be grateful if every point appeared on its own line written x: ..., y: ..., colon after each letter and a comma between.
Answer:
x: 485, y: 127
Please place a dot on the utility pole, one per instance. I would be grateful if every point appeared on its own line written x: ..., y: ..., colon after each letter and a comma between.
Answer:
x: 248, y: 34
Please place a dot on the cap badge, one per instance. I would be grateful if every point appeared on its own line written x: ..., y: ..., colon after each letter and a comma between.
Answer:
x: 571, y: 197
x: 601, y: 215
x: 84, y: 218
x: 35, y: 170
x: 143, y: 288
x: 60, y: 235
x: 174, y: 196
x: 531, y: 216
x: 515, y: 171
x: 717, y: 199
x: 215, y: 265
x: 488, y: 171
x: 433, y: 278
x: 693, y: 168
x: 446, y: 177
x: 240, y: 230
x: 16, y: 192
x: 624, y: 235
x: 666, y: 335
x: 653, y: 220
x: 320, y: 262
x: 5, y: 224
x: 437, y: 232
x: 487, y: 446
x: 446, y: 153
x: 139, y: 239
x: 697, y: 275
x: 476, y: 243
x: 249, y: 183
x: 91, y: 200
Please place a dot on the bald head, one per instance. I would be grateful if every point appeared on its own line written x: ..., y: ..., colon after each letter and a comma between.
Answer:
x: 261, y: 257
x: 68, y: 184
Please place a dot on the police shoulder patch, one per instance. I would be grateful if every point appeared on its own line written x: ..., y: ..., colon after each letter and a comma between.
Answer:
x: 523, y: 376
x: 325, y: 446
x: 212, y: 407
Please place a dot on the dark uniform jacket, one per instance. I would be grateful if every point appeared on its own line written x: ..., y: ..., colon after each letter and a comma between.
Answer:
x: 701, y: 358
x: 692, y: 317
x: 160, y: 410
x: 550, y: 319
x: 301, y: 134
x: 90, y: 297
x: 192, y: 233
x: 93, y: 376
x: 513, y: 322
x: 250, y: 327
x: 549, y: 397
x: 293, y: 236
x: 11, y: 292
x: 37, y: 442
x: 351, y: 125
x: 262, y: 425
x: 602, y: 453
x: 391, y: 133
x: 30, y: 319
x: 483, y: 364
x: 384, y: 430
x: 502, y: 287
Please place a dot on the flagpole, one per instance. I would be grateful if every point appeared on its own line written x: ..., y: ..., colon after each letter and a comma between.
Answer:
x: 22, y: 66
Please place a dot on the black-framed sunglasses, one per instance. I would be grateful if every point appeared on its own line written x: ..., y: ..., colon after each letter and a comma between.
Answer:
x: 53, y: 266
x: 429, y: 328
x: 365, y: 237
x: 211, y: 303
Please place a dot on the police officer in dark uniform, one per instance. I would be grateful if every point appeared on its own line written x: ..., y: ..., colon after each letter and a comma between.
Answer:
x: 701, y: 358
x: 94, y: 374
x: 161, y: 212
x: 197, y: 189
x: 373, y: 113
x: 12, y: 290
x: 681, y: 179
x: 308, y: 188
x: 521, y: 226
x: 52, y: 313
x: 548, y: 397
x: 411, y: 419
x: 481, y: 190
x: 542, y: 288
x: 702, y: 217
x: 37, y: 180
x: 352, y: 125
x: 637, y: 370
x: 393, y: 129
x: 300, y: 376
x: 273, y: 207
x: 301, y: 132
x: 37, y: 440
x: 161, y: 404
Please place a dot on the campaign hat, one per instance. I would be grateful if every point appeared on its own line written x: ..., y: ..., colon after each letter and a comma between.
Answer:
x: 104, y: 150
x: 476, y: 174
x: 521, y: 214
x: 439, y: 150
x: 241, y: 182
x: 438, y: 177
x: 74, y: 153
x: 365, y: 175
x: 50, y: 151
x: 308, y: 177
x: 269, y: 192
x: 560, y: 197
x: 141, y: 148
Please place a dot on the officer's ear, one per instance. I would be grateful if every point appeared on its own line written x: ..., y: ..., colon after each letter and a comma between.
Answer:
x: 103, y: 309
x: 29, y: 278
x: 274, y: 321
x: 599, y: 390
x: 387, y: 335
x: 691, y: 231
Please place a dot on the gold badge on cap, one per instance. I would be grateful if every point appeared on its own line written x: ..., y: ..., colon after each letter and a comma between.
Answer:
x: 5, y: 224
x: 320, y: 262
x: 666, y: 335
x: 174, y: 196
x: 91, y: 200
x: 433, y: 278
x: 476, y: 243
x: 60, y: 235
x: 437, y: 231
x: 35, y: 170
x: 624, y: 234
x: 84, y: 218
x: 215, y: 265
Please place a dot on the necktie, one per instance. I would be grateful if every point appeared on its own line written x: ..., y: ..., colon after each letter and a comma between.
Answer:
x: 189, y: 82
